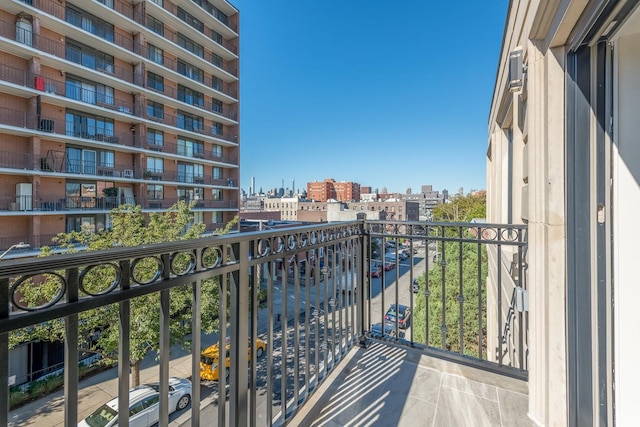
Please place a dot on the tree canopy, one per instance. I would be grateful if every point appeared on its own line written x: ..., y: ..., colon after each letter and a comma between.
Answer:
x: 130, y: 227
x: 462, y: 208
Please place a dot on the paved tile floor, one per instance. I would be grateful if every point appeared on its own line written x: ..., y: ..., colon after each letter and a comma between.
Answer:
x: 387, y: 385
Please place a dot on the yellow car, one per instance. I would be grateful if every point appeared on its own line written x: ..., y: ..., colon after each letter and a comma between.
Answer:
x: 209, y: 359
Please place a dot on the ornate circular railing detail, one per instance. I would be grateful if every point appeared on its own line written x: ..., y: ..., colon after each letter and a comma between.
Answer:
x: 154, y: 272
x: 292, y: 242
x: 323, y: 236
x: 264, y: 247
x: 314, y: 237
x: 182, y: 263
x: 304, y: 239
x: 51, y: 292
x: 211, y: 257
x: 279, y: 244
x: 93, y: 277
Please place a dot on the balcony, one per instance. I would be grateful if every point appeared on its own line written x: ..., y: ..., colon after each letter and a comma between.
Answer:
x: 439, y: 366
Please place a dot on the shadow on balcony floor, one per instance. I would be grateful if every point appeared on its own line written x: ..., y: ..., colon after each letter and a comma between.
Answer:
x: 387, y: 385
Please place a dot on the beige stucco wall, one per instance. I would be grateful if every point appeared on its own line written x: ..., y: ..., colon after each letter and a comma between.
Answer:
x: 536, y: 118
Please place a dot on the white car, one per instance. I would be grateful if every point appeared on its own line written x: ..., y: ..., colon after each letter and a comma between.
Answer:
x: 144, y: 404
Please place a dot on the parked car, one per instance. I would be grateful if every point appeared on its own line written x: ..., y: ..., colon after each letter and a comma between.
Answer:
x: 389, y: 265
x: 389, y: 330
x: 209, y: 364
x: 404, y: 315
x: 144, y: 405
x: 375, y: 270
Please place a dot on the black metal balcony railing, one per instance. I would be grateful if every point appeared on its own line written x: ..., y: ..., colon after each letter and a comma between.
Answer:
x: 322, y: 299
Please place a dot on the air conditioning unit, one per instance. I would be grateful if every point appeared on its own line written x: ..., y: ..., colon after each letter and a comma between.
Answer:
x: 127, y: 173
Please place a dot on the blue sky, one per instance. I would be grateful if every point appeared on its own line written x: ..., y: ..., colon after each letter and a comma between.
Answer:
x: 386, y: 94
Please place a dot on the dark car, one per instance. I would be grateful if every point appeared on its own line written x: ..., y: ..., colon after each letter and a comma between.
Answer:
x: 389, y: 330
x: 404, y: 315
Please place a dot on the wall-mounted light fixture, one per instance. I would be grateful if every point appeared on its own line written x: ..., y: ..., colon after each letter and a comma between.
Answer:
x: 516, y: 70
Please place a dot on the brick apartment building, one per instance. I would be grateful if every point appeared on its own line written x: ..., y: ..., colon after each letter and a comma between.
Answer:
x: 329, y: 189
x: 111, y: 102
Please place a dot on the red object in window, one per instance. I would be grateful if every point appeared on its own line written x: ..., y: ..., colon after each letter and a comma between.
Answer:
x: 40, y: 83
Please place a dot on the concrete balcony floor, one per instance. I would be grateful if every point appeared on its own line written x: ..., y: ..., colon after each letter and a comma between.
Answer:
x: 389, y: 385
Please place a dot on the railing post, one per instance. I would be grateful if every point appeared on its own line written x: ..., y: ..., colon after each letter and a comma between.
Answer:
x: 124, y: 347
x: 165, y: 344
x: 362, y: 269
x: 239, y: 337
x: 196, y: 343
x: 71, y: 353
x: 4, y: 354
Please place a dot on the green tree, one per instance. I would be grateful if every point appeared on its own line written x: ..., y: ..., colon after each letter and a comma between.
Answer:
x: 462, y: 208
x: 471, y: 317
x: 130, y: 227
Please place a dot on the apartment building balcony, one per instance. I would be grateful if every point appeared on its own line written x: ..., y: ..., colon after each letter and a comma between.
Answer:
x: 199, y: 204
x: 23, y: 123
x: 26, y: 43
x: 205, y: 153
x: 461, y: 359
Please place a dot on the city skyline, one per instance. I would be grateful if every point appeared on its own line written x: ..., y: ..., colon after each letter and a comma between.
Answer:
x: 320, y: 102
x: 300, y: 186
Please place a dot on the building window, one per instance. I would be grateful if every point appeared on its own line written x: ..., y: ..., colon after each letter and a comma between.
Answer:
x: 190, y: 148
x: 155, y: 25
x: 216, y: 106
x: 190, y: 173
x: 216, y: 150
x: 216, y: 37
x: 216, y: 128
x: 216, y: 60
x: 84, y: 224
x: 88, y: 92
x: 88, y: 57
x: 87, y: 126
x: 216, y: 83
x: 188, y: 44
x: 189, y: 194
x: 88, y: 22
x: 190, y: 122
x: 155, y: 109
x: 155, y: 165
x: 155, y: 137
x: 155, y: 81
x: 217, y: 172
x: 216, y: 217
x: 107, y: 159
x: 158, y: 2
x: 155, y: 192
x: 155, y: 54
x: 80, y: 161
x: 24, y: 31
x: 216, y: 194
x: 191, y: 71
x: 108, y: 3
x: 190, y: 19
x: 190, y: 96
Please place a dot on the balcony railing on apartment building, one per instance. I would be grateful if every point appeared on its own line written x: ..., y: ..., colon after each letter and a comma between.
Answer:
x: 60, y: 11
x: 59, y: 48
x: 26, y: 120
x: 195, y: 153
x: 322, y: 293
